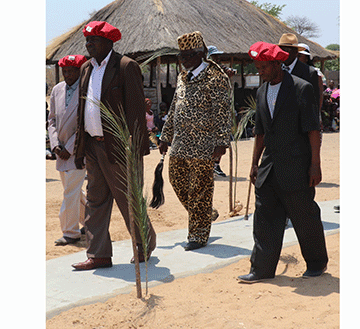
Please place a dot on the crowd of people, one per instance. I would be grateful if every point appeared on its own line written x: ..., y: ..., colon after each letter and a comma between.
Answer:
x: 285, y: 165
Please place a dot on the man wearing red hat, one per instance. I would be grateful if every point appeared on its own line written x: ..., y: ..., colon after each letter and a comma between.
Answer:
x: 116, y: 81
x: 287, y: 133
x: 62, y: 130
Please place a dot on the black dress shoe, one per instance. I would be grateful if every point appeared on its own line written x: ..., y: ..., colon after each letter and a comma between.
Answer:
x: 66, y: 240
x: 252, y: 278
x: 193, y: 246
x: 312, y: 273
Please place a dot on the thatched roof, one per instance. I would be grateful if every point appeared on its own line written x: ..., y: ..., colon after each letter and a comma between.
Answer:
x: 149, y: 26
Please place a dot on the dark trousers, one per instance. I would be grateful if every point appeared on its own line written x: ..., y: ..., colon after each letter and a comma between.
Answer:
x: 106, y: 182
x: 272, y: 206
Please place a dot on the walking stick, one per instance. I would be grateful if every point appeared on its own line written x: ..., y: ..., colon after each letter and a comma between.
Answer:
x: 247, y: 202
x: 231, y: 206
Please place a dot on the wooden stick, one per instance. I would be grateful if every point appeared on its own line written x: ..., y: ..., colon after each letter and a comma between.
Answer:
x: 231, y: 208
x: 247, y: 202
x: 133, y: 236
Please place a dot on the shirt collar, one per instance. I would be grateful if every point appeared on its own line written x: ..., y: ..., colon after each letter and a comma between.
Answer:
x: 201, y: 67
x: 292, y: 65
x: 103, y: 63
x: 74, y: 85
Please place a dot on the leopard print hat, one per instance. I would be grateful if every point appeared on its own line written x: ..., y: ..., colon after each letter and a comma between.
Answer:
x: 189, y: 41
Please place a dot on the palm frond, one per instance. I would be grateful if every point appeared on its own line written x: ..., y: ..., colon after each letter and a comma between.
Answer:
x: 248, y: 115
x: 158, y: 53
x: 128, y: 156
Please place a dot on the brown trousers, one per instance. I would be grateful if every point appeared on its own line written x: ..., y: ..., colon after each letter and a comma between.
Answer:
x: 193, y: 183
x: 106, y: 182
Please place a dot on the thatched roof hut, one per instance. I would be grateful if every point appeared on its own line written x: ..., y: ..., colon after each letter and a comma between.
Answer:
x: 152, y: 26
x: 150, y: 29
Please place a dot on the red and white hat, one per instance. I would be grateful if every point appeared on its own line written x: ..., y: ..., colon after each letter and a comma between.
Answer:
x: 263, y: 51
x: 102, y: 29
x: 72, y: 60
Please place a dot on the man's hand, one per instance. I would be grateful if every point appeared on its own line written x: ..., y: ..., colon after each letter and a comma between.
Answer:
x: 315, y: 175
x: 61, y: 152
x: 64, y: 154
x: 163, y: 147
x: 219, y: 151
x: 254, y: 173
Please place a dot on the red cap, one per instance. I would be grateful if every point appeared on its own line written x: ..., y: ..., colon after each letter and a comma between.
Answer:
x: 102, y: 29
x: 72, y: 60
x: 262, y: 51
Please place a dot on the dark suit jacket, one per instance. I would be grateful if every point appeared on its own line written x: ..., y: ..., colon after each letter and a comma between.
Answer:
x: 122, y: 89
x: 309, y: 74
x: 287, y: 148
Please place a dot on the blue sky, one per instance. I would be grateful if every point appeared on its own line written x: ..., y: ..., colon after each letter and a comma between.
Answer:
x: 65, y: 14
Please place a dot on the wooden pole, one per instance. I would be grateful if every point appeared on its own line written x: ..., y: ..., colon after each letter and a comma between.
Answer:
x: 231, y: 179
x: 151, y: 75
x: 158, y: 81
x: 167, y: 73
x: 247, y: 202
x: 57, y: 73
x: 133, y: 236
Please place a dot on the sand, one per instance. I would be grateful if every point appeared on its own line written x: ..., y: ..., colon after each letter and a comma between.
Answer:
x: 212, y: 300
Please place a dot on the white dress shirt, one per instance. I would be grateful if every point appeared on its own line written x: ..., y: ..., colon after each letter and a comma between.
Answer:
x: 200, y: 68
x: 291, y: 66
x: 272, y: 93
x: 92, y: 110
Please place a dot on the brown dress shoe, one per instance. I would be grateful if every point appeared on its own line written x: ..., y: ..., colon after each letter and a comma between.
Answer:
x: 141, y: 256
x: 92, y: 263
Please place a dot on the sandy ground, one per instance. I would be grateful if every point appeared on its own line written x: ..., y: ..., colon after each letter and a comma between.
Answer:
x: 213, y: 300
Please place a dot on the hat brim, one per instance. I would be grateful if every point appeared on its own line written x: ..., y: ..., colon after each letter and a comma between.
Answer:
x: 304, y: 52
x: 291, y: 46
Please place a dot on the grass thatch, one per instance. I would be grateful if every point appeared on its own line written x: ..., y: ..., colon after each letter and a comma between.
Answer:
x: 152, y: 25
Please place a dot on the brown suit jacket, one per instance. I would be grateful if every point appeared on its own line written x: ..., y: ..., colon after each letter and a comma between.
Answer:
x: 122, y: 88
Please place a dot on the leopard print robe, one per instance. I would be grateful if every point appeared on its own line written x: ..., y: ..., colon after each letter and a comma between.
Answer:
x: 199, y: 119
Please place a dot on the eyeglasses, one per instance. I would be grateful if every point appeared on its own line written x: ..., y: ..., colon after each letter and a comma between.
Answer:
x: 187, y: 56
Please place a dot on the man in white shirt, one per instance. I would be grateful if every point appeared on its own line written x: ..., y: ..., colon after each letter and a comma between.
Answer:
x: 116, y: 81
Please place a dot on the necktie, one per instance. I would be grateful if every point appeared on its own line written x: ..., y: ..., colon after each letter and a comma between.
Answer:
x: 285, y: 68
x: 189, y: 76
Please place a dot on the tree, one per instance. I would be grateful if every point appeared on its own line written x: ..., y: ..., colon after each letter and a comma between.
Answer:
x: 303, y: 26
x: 334, y: 64
x: 273, y: 10
x: 333, y: 46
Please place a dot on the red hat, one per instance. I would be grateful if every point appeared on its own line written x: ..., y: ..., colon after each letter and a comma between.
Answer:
x: 262, y: 51
x: 102, y: 29
x: 72, y: 60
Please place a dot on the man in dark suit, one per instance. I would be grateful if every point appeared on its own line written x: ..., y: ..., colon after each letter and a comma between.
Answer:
x: 287, y: 133
x: 289, y: 43
x: 116, y: 81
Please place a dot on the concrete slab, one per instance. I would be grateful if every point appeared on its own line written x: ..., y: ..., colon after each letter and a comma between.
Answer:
x: 230, y: 241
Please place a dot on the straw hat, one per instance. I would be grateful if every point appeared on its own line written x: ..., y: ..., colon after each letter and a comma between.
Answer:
x: 290, y: 40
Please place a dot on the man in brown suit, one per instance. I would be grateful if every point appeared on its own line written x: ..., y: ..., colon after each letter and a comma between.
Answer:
x: 116, y: 81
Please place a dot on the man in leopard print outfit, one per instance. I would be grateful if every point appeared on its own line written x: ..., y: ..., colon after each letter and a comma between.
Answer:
x: 198, y: 128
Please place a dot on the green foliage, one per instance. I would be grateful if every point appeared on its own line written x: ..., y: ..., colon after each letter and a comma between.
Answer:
x: 333, y: 46
x: 128, y: 156
x: 273, y: 10
x: 247, y: 116
x: 334, y: 64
